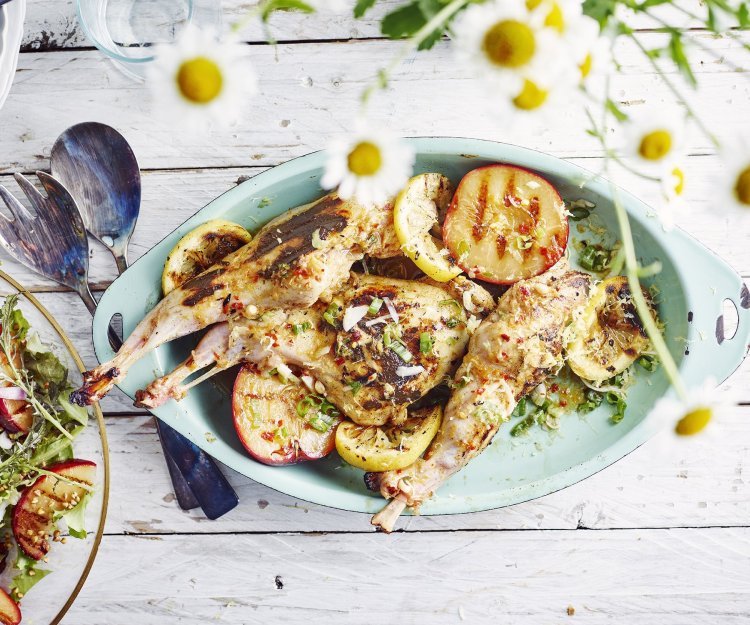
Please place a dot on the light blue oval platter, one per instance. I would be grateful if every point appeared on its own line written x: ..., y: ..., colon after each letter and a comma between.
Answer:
x: 693, y: 284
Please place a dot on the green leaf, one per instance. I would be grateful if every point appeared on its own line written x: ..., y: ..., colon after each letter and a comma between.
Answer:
x: 600, y: 10
x: 615, y: 110
x: 362, y: 6
x: 711, y: 19
x: 743, y: 16
x: 678, y: 55
x: 650, y: 3
x: 19, y: 324
x: 27, y: 577
x: 75, y: 519
x: 45, y: 367
x: 403, y: 22
x: 284, y: 5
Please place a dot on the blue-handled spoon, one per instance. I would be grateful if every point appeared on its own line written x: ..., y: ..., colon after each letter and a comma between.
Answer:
x: 97, y: 166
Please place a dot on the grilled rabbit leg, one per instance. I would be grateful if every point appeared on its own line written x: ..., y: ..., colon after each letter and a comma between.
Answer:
x: 511, y: 352
x: 292, y: 262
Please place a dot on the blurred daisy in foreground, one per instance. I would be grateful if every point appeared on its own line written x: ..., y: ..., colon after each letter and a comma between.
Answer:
x: 200, y: 80
x: 735, y: 188
x: 690, y: 416
x: 673, y: 193
x: 655, y: 139
x: 371, y: 165
x: 522, y: 59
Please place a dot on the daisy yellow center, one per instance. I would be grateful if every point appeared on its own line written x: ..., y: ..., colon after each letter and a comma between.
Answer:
x: 678, y: 177
x: 531, y: 96
x: 555, y: 19
x: 533, y: 4
x: 586, y: 66
x: 199, y: 80
x: 655, y: 145
x: 742, y: 187
x: 509, y: 43
x: 694, y: 421
x: 365, y: 159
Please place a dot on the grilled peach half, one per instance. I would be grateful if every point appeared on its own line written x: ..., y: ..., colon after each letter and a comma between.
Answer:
x: 505, y: 224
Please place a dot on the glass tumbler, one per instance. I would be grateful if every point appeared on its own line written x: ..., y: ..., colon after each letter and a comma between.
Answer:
x: 127, y: 30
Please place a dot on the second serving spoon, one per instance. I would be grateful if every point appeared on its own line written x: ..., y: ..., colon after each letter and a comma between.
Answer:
x: 98, y: 167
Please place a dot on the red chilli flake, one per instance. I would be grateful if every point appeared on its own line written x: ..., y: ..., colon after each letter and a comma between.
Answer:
x: 505, y: 337
x: 524, y: 291
x: 554, y: 388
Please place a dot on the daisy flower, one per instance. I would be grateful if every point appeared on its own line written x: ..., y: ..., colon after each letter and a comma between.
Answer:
x: 200, y: 79
x: 735, y: 187
x: 655, y: 140
x: 371, y: 165
x: 509, y: 45
x: 691, y: 415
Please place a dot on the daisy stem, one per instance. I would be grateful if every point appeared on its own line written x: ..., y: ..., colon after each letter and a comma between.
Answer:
x: 626, y: 255
x: 698, y: 43
x: 641, y: 305
x: 691, y: 113
x: 413, y: 43
x: 727, y: 33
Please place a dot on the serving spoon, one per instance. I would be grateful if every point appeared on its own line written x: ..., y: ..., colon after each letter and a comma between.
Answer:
x: 98, y: 167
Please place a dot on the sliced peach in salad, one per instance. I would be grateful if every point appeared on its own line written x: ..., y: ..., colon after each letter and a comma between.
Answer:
x: 58, y: 491
x: 505, y: 224
x: 10, y: 613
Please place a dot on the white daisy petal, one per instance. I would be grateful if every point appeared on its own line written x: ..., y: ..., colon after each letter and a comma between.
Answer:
x: 370, y: 165
x: 199, y: 81
x: 735, y: 184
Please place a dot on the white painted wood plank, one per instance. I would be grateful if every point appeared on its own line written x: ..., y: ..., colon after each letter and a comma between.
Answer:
x: 170, y: 197
x: 665, y: 483
x: 52, y: 24
x: 661, y: 577
x: 310, y: 92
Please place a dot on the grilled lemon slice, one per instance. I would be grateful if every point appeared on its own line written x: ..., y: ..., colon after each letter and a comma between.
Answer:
x: 199, y: 249
x: 608, y: 336
x: 388, y: 447
x: 415, y: 213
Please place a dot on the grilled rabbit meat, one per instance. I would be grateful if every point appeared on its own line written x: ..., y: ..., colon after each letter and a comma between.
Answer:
x: 512, y: 351
x: 294, y: 260
x: 363, y: 374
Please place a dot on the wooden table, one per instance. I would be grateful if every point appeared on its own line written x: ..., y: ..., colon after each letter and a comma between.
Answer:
x: 662, y: 537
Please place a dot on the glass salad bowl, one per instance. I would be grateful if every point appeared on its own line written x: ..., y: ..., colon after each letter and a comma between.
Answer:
x: 68, y: 560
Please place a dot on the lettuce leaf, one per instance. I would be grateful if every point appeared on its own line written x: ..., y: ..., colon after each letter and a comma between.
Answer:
x: 27, y: 577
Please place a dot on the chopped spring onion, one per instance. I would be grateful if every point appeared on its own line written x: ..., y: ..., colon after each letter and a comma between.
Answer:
x: 593, y: 400
x: 463, y: 248
x: 317, y: 242
x: 523, y: 426
x: 321, y: 422
x: 319, y: 412
x: 374, y: 306
x: 352, y: 316
x: 354, y: 387
x: 595, y: 258
x: 331, y: 314
x: 452, y: 322
x: 579, y: 213
x: 401, y: 351
x: 299, y: 328
x: 407, y: 372
x: 12, y: 392
x: 539, y: 394
x: 520, y: 409
x: 450, y: 302
x: 391, y: 309
x: 425, y: 343
x: 649, y: 363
